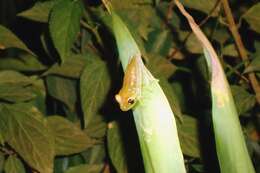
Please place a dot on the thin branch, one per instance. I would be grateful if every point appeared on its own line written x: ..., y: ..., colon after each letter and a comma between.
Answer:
x: 235, y: 71
x: 240, y: 47
x: 7, y: 151
x: 169, y: 11
x: 94, y: 31
x: 200, y: 24
x: 107, y: 5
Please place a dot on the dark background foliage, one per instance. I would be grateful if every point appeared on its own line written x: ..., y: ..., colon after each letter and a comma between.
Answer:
x: 59, y: 73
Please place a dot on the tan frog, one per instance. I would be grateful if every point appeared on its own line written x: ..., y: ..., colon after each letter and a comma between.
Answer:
x: 132, y: 84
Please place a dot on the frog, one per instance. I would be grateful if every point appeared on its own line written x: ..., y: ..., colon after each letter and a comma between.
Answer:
x: 130, y: 92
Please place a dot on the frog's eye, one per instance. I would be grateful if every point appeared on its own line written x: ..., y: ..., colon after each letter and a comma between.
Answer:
x: 131, y: 101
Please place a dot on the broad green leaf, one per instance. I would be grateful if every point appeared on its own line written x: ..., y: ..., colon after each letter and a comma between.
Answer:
x: 64, y: 25
x: 14, y: 87
x: 13, y: 165
x: 26, y: 131
x: 173, y: 20
x: 85, y: 168
x: 189, y: 137
x: 130, y: 4
x: 132, y: 10
x: 9, y: 77
x: 13, y: 93
x: 160, y: 66
x: 39, y: 12
x: 38, y: 86
x: 97, y: 128
x: 94, y: 87
x: 117, y: 4
x: 230, y: 50
x: 23, y: 62
x: 148, y: 19
x: 95, y: 155
x: 115, y: 148
x: 202, y: 5
x: 63, y: 89
x: 69, y: 138
x: 71, y: 67
x: 243, y: 99
x: 232, y: 158
x: 252, y: 16
x: 10, y: 40
x: 39, y: 89
x: 159, y: 42
x: 254, y: 65
x: 191, y: 43
x: 221, y: 35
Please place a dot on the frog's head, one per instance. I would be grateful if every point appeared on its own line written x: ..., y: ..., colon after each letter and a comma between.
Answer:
x: 126, y: 102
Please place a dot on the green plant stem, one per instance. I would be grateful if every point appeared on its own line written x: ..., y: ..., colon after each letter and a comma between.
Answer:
x: 240, y: 47
x: 154, y: 120
x: 231, y: 148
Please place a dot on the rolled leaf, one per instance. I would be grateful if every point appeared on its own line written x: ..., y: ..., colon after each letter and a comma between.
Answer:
x: 231, y: 147
x: 153, y: 116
